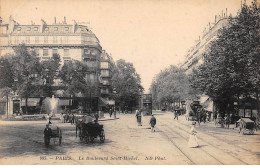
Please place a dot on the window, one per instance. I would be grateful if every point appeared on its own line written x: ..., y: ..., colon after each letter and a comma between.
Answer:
x: 92, y: 77
x: 93, y: 52
x: 46, y: 29
x: 45, y: 52
x: 66, y: 52
x: 61, y: 40
x: 86, y: 51
x: 35, y: 28
x: 55, y: 28
x: 28, y: 28
x: 36, y: 40
x: 19, y: 29
x: 66, y: 28
x: 28, y: 40
x: 46, y: 39
x: 104, y: 65
x: 54, y: 51
x: 105, y: 73
x: 37, y: 52
x: 55, y: 39
x: 16, y: 40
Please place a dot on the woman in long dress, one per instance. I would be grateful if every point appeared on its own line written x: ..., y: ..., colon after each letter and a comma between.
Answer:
x: 193, y: 141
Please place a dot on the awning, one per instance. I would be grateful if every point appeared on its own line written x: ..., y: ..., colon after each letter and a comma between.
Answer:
x: 64, y: 102
x: 105, y: 102
x: 30, y: 102
x: 207, y: 104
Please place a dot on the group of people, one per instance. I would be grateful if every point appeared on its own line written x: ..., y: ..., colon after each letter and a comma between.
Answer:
x: 139, y: 115
x: 67, y: 118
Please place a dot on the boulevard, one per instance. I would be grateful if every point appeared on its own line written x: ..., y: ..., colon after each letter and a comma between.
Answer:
x: 127, y: 143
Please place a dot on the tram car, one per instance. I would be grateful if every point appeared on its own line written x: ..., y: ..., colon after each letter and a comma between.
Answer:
x: 246, y: 126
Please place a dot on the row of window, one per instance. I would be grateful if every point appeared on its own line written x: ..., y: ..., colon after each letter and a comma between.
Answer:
x: 46, y: 40
x: 66, y: 29
x: 54, y: 51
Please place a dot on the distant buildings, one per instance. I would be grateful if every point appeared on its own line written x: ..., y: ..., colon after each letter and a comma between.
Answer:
x: 71, y: 41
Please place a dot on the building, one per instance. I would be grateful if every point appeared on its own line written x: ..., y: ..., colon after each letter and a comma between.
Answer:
x: 106, y: 69
x: 194, y: 56
x: 71, y: 41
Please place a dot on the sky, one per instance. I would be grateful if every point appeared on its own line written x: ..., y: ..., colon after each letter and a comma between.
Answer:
x: 151, y: 34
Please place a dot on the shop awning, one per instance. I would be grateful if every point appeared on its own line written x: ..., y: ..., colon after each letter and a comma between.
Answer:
x: 105, y: 102
x: 64, y: 102
x: 207, y: 104
x: 30, y: 102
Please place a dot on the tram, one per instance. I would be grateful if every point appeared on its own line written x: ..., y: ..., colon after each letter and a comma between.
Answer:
x: 147, y: 104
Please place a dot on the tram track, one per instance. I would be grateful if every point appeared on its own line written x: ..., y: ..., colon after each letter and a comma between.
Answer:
x: 220, y: 139
x: 203, y: 140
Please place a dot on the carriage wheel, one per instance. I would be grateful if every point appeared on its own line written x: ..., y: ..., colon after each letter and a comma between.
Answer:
x: 102, y: 136
x: 92, y: 139
x: 251, y: 131
x: 60, y: 137
x: 87, y: 138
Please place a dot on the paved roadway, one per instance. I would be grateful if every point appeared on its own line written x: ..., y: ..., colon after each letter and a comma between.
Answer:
x: 126, y: 143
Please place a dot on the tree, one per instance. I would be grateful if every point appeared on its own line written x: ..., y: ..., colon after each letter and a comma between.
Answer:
x: 169, y: 86
x: 126, y: 83
x: 21, y: 72
x: 231, y: 66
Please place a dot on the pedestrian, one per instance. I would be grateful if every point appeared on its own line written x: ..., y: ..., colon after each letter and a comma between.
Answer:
x: 153, y: 123
x: 48, y: 118
x: 110, y: 112
x: 176, y: 113
x: 47, y: 134
x: 139, y: 117
x: 96, y: 117
x: 61, y: 118
x: 193, y: 141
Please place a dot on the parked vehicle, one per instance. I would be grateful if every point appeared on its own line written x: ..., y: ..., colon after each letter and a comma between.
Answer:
x: 52, y: 131
x: 90, y: 131
x: 246, y: 126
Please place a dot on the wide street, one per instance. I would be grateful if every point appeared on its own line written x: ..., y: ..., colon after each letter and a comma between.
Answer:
x: 126, y: 143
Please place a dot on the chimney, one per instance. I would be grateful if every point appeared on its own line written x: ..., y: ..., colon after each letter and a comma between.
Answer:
x: 226, y: 12
x: 54, y: 20
x: 215, y: 18
x: 1, y: 20
x: 222, y: 13
x: 64, y: 20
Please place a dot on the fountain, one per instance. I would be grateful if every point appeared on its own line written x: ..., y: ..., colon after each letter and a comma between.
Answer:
x: 50, y: 105
x: 53, y: 105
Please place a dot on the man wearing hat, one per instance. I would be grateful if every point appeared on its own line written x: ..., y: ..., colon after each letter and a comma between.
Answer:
x: 153, y: 123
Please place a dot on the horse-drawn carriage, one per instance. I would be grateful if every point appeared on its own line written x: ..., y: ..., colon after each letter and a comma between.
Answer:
x: 89, y: 131
x: 52, y: 131
x: 246, y: 125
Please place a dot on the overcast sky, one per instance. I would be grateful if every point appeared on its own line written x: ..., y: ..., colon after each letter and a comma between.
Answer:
x: 151, y: 34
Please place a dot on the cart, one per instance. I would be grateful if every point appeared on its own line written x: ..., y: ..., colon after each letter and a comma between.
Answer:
x: 219, y: 122
x: 246, y: 126
x: 53, y: 132
x: 90, y: 131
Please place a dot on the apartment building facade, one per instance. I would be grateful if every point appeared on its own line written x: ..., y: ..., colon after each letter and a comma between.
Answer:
x: 71, y: 41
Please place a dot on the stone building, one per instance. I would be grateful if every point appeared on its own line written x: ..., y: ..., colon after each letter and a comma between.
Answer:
x: 194, y: 56
x: 71, y: 41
